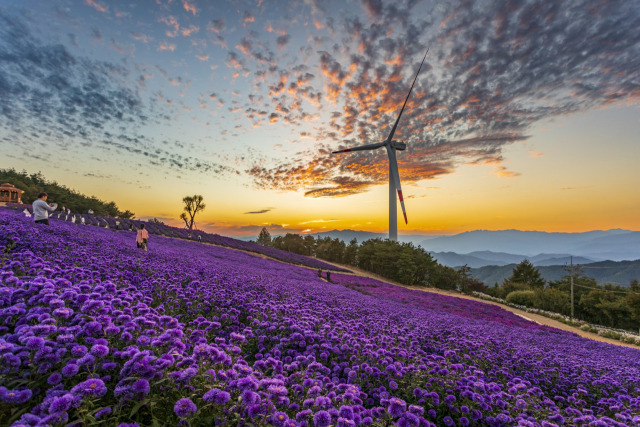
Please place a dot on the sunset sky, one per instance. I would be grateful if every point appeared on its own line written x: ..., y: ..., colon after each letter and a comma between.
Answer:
x: 525, y: 115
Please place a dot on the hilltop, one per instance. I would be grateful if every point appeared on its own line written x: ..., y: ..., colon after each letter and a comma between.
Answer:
x: 32, y: 184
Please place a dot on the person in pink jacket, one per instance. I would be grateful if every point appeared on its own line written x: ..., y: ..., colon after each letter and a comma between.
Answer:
x: 142, y: 238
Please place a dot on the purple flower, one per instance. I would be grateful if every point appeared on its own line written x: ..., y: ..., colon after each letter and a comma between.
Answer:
x: 35, y: 343
x: 61, y: 404
x: 250, y: 397
x: 93, y: 387
x: 521, y: 404
x: 70, y: 370
x: 99, y: 350
x: 279, y: 419
x: 346, y: 412
x: 15, y: 396
x: 184, y: 407
x: 448, y: 421
x: 210, y: 395
x: 54, y: 378
x: 253, y: 411
x: 141, y: 386
x: 93, y: 328
x: 79, y: 350
x: 63, y: 313
x: 222, y: 398
x: 397, y: 407
x: 278, y: 390
x: 415, y: 409
x: 322, y: 419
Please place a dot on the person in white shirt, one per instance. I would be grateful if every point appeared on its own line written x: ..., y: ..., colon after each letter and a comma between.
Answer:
x: 41, y: 209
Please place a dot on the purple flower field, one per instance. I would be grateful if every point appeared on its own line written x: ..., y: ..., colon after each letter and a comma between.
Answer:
x: 159, y: 229
x: 96, y: 332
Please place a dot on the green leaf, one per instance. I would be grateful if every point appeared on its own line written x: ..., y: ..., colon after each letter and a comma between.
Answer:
x: 17, y: 415
x: 138, y: 406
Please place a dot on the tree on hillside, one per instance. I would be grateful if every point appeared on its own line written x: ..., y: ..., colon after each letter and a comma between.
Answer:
x: 192, y: 205
x: 351, y: 252
x: 309, y: 245
x: 34, y: 183
x: 468, y: 283
x: 525, y: 273
x: 264, y: 238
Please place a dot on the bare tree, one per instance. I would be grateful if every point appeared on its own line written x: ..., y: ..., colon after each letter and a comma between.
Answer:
x: 192, y: 205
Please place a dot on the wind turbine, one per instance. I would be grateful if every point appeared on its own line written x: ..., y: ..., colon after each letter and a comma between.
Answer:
x: 394, y: 176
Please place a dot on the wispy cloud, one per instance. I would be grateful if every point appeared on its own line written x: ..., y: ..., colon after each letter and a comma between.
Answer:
x: 259, y: 212
x: 318, y: 221
x: 96, y: 5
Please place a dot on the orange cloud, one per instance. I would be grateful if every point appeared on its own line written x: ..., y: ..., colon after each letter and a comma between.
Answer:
x: 97, y: 5
x: 167, y: 46
x: 188, y: 31
x: 171, y: 22
x: 189, y: 7
x: 502, y: 172
x: 248, y: 18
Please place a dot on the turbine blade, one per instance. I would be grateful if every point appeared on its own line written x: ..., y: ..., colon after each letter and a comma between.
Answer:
x: 360, y: 148
x: 393, y: 130
x: 393, y: 165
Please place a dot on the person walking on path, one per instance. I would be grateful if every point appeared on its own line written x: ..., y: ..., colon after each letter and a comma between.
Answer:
x: 142, y: 238
x: 41, y: 209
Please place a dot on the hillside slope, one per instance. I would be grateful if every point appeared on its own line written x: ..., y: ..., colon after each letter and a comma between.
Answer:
x: 202, y: 332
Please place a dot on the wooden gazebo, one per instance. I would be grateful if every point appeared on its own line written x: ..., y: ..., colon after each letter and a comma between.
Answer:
x: 10, y: 194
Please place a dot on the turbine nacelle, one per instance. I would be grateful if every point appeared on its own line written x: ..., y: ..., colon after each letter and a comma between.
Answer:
x: 399, y: 145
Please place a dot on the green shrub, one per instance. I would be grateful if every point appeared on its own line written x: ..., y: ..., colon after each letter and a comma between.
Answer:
x: 610, y: 334
x: 526, y: 298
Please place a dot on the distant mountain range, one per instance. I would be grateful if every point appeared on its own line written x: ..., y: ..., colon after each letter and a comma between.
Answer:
x: 607, y: 256
x: 348, y: 235
x: 616, y: 245
x: 511, y: 246
x: 615, y: 272
x: 483, y: 258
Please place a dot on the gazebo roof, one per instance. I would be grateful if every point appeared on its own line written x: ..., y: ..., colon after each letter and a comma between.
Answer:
x: 10, y: 187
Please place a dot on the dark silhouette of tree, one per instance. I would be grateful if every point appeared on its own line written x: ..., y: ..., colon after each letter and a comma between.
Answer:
x: 264, y: 238
x: 468, y: 283
x: 192, y: 205
x: 526, y: 274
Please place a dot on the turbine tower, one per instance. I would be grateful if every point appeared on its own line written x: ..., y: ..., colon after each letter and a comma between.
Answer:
x: 394, y: 176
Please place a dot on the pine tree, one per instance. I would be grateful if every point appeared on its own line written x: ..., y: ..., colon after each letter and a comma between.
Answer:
x: 264, y: 238
x: 526, y: 274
